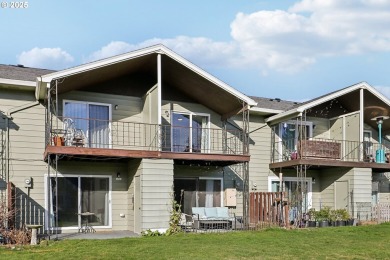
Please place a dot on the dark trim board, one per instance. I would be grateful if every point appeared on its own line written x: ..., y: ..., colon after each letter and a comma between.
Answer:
x: 90, y: 153
x: 324, y: 163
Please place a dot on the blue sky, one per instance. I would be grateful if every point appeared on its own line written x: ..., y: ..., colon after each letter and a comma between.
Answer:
x: 294, y: 50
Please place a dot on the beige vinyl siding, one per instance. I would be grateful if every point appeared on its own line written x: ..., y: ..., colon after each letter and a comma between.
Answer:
x: 26, y: 146
x: 327, y: 180
x: 362, y: 189
x: 156, y: 181
x: 133, y: 166
x: 336, y: 129
x: 352, y: 127
x: 260, y: 152
x: 321, y: 127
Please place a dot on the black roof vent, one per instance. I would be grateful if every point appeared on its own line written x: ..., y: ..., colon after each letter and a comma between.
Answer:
x: 277, y: 99
x: 20, y: 65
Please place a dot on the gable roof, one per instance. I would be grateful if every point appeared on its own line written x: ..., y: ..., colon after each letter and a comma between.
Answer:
x: 346, y: 99
x: 176, y: 71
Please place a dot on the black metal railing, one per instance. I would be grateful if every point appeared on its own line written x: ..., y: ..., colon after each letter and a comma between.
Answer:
x: 342, y: 150
x: 95, y: 133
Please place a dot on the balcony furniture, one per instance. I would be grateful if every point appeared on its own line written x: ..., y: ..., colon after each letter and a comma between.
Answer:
x: 319, y: 149
x: 212, y: 218
x: 73, y: 136
x: 186, y: 222
x: 85, y: 226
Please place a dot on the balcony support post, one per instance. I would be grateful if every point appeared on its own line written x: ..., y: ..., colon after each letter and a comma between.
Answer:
x: 361, y: 125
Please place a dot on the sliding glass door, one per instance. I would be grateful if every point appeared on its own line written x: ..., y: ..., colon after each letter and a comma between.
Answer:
x: 92, y: 119
x: 198, y: 192
x: 72, y: 196
x: 190, y: 132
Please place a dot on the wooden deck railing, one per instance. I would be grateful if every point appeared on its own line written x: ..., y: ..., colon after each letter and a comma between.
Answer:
x: 268, y: 209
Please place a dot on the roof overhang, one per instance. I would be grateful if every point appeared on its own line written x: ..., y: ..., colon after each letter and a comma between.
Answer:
x: 17, y: 84
x: 177, y: 73
x: 264, y: 111
x: 375, y: 104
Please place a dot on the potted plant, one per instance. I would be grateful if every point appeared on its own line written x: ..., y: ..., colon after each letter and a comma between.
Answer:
x: 323, y: 217
x: 333, y: 217
x: 312, y: 218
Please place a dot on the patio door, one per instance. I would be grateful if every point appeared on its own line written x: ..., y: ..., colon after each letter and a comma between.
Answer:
x: 72, y: 195
x: 290, y: 133
x: 198, y: 192
x: 190, y: 132
x: 93, y: 119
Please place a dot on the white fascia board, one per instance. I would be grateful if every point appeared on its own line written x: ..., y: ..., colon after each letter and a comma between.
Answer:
x: 16, y: 82
x: 100, y: 63
x: 304, y: 107
x: 264, y: 111
x: 288, y: 113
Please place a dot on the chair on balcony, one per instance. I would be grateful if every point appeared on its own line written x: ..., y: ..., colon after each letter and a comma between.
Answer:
x: 73, y: 136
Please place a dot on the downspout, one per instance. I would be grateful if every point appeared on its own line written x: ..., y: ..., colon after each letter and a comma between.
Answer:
x: 8, y: 117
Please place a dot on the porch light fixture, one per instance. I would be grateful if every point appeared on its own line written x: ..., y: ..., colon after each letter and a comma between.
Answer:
x: 116, y: 107
x: 380, y: 152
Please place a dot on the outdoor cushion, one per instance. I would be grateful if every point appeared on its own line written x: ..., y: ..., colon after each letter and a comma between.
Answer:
x: 199, y: 211
x: 223, y: 212
x: 211, y: 212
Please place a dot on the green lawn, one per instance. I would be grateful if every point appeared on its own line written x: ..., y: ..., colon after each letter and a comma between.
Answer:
x: 362, y: 242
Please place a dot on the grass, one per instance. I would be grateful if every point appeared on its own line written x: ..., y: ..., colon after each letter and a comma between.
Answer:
x: 362, y: 242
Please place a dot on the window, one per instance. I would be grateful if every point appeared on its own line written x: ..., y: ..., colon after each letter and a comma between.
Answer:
x: 69, y: 196
x: 294, y: 191
x: 290, y: 133
x: 190, y: 132
x: 198, y: 192
x: 92, y: 119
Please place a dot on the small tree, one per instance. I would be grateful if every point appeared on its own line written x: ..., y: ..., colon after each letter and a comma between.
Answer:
x: 175, y: 217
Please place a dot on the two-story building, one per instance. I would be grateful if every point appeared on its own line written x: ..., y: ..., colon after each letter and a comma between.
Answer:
x: 118, y: 139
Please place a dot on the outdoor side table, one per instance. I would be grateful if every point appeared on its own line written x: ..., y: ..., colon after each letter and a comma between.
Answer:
x: 86, y: 227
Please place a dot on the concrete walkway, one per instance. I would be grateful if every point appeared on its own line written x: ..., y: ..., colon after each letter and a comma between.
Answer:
x: 93, y: 235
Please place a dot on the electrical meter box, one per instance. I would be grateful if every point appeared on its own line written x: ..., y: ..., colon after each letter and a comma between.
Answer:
x: 230, y: 197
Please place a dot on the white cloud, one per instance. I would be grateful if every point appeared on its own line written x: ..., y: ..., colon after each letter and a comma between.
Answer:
x: 312, y: 29
x: 49, y: 58
x: 202, y: 51
x: 286, y: 41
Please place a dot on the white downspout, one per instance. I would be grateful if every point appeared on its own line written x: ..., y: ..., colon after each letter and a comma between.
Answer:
x: 159, y: 121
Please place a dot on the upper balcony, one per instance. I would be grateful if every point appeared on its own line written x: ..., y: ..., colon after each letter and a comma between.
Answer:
x: 329, y: 152
x: 79, y: 137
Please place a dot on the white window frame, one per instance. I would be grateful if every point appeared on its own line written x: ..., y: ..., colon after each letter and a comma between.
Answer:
x: 93, y: 103
x: 295, y: 179
x: 78, y: 176
x: 296, y: 123
x: 207, y: 148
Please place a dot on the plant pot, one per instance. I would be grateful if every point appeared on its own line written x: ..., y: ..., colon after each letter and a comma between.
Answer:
x: 340, y: 223
x: 312, y: 223
x: 58, y: 141
x: 323, y: 223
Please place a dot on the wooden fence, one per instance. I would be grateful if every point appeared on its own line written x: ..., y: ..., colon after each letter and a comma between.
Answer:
x: 268, y: 209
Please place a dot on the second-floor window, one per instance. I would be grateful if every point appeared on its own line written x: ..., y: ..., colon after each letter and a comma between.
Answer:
x: 190, y: 132
x: 290, y: 133
x: 90, y: 119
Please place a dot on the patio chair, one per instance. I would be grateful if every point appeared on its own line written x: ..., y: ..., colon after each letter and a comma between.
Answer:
x: 186, y: 222
x: 73, y: 136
